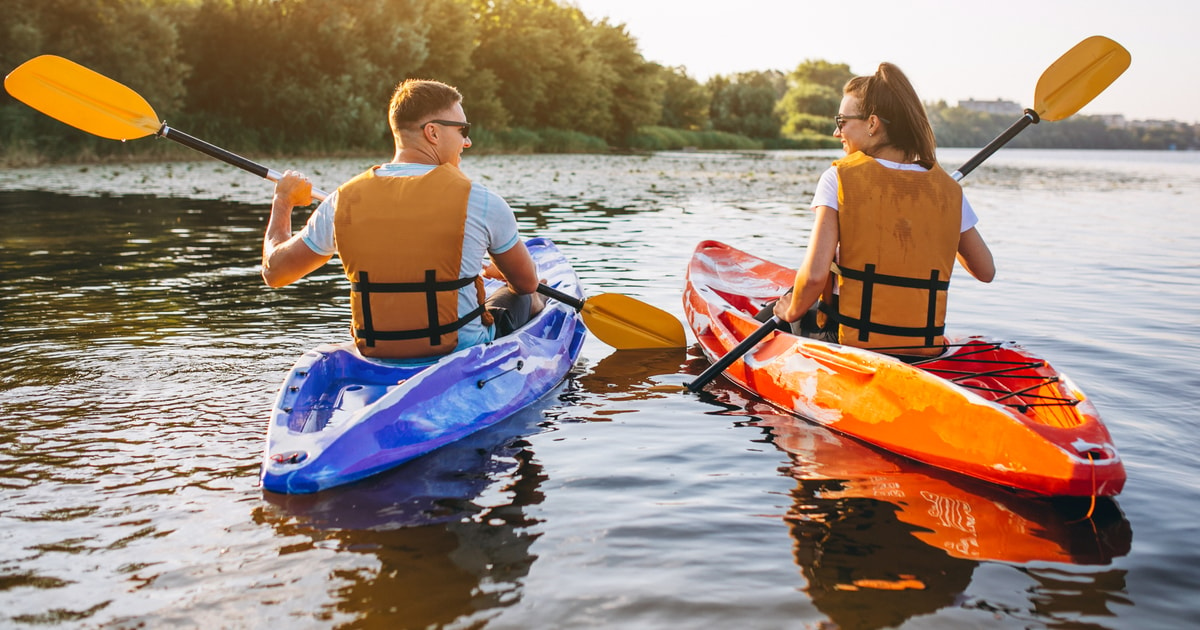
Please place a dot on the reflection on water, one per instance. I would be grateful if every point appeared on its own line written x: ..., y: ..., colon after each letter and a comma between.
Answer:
x: 848, y: 498
x: 634, y: 375
x: 881, y: 539
x: 141, y: 353
x: 448, y: 533
x: 958, y: 516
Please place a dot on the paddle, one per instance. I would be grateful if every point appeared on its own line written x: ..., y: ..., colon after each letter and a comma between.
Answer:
x: 88, y: 100
x: 1071, y: 82
x: 623, y: 322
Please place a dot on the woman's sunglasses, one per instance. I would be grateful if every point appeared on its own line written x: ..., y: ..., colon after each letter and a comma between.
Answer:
x: 840, y: 120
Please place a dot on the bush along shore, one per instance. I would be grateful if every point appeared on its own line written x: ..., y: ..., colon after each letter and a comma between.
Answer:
x: 536, y: 76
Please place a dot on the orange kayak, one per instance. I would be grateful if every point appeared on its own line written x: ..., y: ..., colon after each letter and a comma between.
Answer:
x: 988, y: 409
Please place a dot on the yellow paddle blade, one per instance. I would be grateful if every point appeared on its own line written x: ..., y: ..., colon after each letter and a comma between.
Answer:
x: 1078, y: 76
x: 628, y: 324
x: 82, y: 98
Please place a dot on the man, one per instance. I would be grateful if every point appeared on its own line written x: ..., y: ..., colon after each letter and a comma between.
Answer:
x: 412, y: 236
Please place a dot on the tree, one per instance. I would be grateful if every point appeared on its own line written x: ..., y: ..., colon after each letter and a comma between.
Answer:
x: 745, y: 103
x: 808, y: 106
x: 820, y: 72
x: 813, y: 97
x: 530, y: 52
x: 685, y: 101
x: 452, y: 30
x: 555, y: 68
x: 635, y: 85
x: 323, y: 68
x: 132, y: 41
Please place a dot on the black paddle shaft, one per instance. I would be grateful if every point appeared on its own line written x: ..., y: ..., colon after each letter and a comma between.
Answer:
x: 193, y: 142
x: 569, y: 300
x: 228, y: 157
x: 1030, y: 118
x: 733, y: 355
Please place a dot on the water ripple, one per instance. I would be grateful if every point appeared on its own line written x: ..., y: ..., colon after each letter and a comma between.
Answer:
x: 141, y: 354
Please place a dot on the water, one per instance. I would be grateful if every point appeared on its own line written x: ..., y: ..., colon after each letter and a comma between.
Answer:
x: 141, y: 353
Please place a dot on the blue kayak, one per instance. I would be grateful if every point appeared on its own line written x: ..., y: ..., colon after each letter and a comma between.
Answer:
x: 340, y: 417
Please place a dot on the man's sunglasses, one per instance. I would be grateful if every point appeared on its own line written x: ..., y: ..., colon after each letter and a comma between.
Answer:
x: 463, y: 127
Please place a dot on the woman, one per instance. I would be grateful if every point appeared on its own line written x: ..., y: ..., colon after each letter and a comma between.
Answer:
x: 894, y: 221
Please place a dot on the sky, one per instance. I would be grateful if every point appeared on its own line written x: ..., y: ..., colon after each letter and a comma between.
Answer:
x: 950, y: 51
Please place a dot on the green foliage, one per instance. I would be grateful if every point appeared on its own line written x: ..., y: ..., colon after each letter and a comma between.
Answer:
x: 530, y: 47
x: 795, y: 123
x: 684, y: 102
x: 656, y: 138
x: 134, y: 39
x: 823, y: 73
x: 563, y: 141
x: 810, y: 98
x: 314, y: 76
x: 813, y: 97
x: 329, y: 64
x: 745, y: 103
x: 522, y: 140
x: 1169, y: 136
x: 804, y: 140
x: 511, y: 140
x: 452, y: 31
x: 635, y: 86
x: 555, y: 69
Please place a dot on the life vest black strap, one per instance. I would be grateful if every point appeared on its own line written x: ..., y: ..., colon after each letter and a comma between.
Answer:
x: 430, y: 287
x: 365, y: 286
x: 434, y: 332
x: 928, y: 332
x: 868, y: 275
x: 863, y: 323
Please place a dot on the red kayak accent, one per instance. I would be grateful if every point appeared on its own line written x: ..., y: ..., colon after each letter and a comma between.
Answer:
x: 988, y: 409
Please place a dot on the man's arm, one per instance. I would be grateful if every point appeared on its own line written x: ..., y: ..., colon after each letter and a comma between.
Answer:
x: 286, y: 258
x: 518, y: 268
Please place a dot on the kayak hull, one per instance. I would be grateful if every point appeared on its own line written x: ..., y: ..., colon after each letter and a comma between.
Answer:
x: 339, y: 417
x: 988, y: 409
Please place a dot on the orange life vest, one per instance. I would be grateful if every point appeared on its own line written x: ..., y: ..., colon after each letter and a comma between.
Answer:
x: 400, y: 241
x: 898, y: 237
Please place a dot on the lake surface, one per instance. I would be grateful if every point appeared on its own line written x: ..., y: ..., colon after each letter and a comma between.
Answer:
x: 141, y: 354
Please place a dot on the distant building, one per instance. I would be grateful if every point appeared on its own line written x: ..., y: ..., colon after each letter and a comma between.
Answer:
x: 1152, y: 124
x: 997, y: 106
x: 1112, y: 120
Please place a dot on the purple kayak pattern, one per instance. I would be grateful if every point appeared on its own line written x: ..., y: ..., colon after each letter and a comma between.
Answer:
x: 340, y: 417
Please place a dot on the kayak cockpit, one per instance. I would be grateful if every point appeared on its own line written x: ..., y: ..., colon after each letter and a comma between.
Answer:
x: 333, y: 385
x: 1002, y: 373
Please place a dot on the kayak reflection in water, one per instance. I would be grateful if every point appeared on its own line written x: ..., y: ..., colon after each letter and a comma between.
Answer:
x: 881, y: 540
x: 412, y: 236
x: 432, y: 551
x: 889, y: 225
